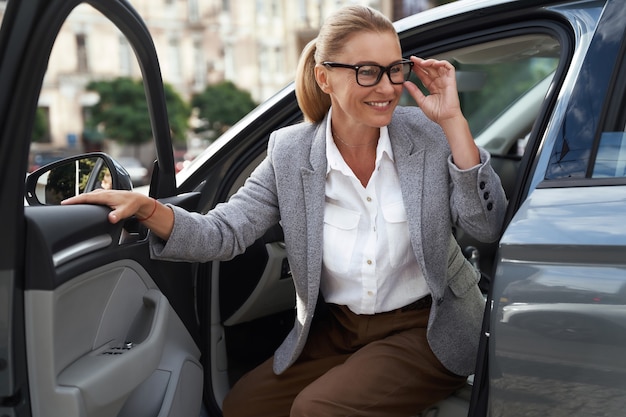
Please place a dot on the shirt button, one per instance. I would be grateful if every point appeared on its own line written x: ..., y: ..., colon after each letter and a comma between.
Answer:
x: 369, y: 262
x: 482, y: 185
x: 370, y: 293
x: 369, y: 199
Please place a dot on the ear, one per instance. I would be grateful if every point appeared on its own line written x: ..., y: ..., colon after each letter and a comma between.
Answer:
x: 321, y: 77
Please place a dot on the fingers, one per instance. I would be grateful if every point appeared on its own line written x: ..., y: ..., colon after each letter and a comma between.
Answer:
x: 415, y: 92
x: 114, y: 217
x: 123, y: 204
x: 94, y: 197
x: 430, y: 70
x: 431, y: 66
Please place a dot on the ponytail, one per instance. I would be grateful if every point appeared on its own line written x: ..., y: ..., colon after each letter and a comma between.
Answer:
x: 313, y: 102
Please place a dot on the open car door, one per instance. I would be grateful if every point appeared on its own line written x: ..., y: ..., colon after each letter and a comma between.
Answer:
x: 89, y: 325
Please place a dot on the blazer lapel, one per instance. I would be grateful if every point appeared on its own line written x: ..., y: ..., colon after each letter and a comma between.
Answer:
x: 409, y: 158
x: 314, y: 182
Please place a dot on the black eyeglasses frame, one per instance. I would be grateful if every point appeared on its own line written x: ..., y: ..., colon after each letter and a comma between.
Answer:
x: 383, y: 70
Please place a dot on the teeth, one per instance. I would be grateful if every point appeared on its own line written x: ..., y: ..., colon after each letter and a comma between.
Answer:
x: 378, y: 104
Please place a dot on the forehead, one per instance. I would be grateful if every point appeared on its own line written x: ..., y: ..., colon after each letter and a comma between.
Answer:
x: 382, y: 48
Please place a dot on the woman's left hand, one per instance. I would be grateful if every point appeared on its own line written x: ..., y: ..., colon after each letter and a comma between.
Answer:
x: 440, y: 80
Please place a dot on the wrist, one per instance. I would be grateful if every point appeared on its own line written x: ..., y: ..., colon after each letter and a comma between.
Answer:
x: 149, y: 211
x: 454, y: 123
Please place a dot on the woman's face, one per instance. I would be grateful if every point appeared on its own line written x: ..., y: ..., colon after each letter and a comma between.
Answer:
x: 354, y: 106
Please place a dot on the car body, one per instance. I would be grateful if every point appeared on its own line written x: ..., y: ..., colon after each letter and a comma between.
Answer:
x: 39, y: 159
x: 138, y: 173
x: 91, y: 326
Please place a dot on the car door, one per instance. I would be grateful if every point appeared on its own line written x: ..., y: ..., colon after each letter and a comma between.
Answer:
x: 89, y: 325
x: 558, y: 326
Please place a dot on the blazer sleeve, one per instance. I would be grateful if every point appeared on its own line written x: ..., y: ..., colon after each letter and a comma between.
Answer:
x: 229, y: 228
x: 478, y: 202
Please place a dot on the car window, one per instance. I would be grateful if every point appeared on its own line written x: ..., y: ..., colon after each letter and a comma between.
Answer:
x: 93, y: 98
x: 502, y: 84
x: 611, y: 157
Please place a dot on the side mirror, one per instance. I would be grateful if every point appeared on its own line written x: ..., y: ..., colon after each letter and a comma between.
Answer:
x: 53, y: 183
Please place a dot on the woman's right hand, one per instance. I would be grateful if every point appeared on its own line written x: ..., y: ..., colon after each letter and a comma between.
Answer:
x: 156, y: 216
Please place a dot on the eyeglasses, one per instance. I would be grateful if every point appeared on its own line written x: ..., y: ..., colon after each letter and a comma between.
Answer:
x: 371, y: 74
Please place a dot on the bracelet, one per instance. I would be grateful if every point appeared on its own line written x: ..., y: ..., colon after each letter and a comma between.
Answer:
x: 153, y: 211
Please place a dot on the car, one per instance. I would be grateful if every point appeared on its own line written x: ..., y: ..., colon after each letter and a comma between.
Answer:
x: 138, y: 173
x: 39, y: 159
x: 91, y: 326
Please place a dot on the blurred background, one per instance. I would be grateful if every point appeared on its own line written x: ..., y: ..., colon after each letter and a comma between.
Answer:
x: 219, y: 59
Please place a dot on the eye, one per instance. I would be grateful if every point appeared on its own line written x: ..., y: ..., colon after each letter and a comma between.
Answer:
x: 396, y: 69
x: 369, y: 71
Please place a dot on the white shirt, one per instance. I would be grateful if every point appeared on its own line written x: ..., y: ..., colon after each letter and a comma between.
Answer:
x: 368, y: 263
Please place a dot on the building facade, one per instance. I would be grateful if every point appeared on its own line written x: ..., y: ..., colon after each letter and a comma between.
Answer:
x: 253, y: 43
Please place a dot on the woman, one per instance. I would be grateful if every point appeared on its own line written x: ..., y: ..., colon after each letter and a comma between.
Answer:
x: 366, y: 193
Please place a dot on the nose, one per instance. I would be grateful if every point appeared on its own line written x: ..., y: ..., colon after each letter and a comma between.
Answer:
x: 385, y: 83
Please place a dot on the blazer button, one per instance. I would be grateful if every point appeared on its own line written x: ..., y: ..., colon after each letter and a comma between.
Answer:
x: 482, y: 185
x: 486, y: 195
x: 489, y: 206
x: 439, y: 301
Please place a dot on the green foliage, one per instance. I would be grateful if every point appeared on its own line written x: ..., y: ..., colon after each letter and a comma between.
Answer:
x: 179, y: 112
x: 222, y: 105
x: 122, y: 111
x: 40, y: 128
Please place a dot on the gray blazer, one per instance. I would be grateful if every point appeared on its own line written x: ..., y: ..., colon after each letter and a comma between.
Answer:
x: 289, y: 186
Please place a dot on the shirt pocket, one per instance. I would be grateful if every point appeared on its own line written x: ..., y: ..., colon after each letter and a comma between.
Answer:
x: 340, y: 234
x: 397, y: 230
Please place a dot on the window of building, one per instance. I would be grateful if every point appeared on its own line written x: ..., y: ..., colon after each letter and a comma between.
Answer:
x: 303, y: 14
x: 81, y: 53
x: 194, y: 13
x: 199, y: 73
x: 174, y: 59
x: 126, y: 56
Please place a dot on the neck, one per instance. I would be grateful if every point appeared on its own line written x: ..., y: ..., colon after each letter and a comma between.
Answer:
x: 352, y: 144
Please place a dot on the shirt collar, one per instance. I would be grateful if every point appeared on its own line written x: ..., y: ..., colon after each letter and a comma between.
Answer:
x: 336, y: 161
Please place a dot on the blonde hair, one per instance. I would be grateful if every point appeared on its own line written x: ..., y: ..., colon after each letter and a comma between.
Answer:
x: 333, y: 35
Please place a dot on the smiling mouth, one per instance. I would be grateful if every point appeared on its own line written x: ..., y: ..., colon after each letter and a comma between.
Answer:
x: 378, y: 103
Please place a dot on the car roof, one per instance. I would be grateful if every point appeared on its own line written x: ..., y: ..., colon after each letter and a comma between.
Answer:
x: 460, y: 7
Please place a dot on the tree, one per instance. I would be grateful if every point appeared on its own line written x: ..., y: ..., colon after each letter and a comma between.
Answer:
x: 222, y: 105
x: 122, y: 111
x: 40, y: 128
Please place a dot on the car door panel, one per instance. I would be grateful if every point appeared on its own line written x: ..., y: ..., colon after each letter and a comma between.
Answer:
x: 101, y: 337
x: 77, y: 289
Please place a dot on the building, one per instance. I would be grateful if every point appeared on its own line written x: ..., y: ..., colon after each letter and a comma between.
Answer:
x: 253, y: 43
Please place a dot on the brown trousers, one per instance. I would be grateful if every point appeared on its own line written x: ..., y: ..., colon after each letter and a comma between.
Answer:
x: 352, y: 365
